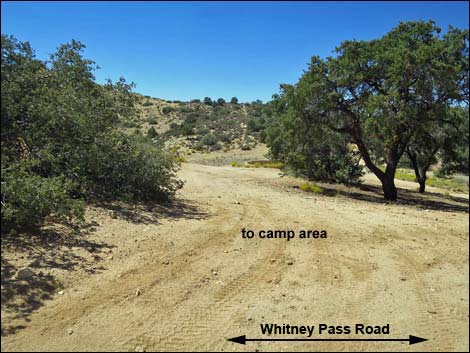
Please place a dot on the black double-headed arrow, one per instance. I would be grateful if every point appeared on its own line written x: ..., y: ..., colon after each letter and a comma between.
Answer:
x: 411, y: 339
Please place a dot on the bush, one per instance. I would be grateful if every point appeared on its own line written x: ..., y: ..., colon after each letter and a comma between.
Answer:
x: 152, y: 133
x: 187, y: 129
x: 28, y: 198
x: 185, y: 110
x: 60, y: 145
x: 129, y: 124
x: 168, y: 109
x: 309, y: 187
x: 148, y: 104
x: 209, y: 140
x: 152, y: 120
x: 131, y: 168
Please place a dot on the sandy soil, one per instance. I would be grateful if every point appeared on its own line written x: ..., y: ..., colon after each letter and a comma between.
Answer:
x: 182, y: 278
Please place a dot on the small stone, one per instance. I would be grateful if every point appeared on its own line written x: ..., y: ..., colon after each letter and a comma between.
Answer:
x: 236, y: 202
x: 139, y: 349
x: 24, y: 273
x: 138, y: 292
x: 60, y: 292
x: 290, y: 262
x: 69, y: 331
x: 214, y: 273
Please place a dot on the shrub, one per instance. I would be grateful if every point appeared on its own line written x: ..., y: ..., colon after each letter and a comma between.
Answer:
x: 28, y: 198
x: 152, y: 133
x: 185, y: 110
x: 309, y: 187
x: 148, y: 104
x: 152, y: 120
x: 129, y: 124
x: 168, y: 109
x: 209, y: 140
x: 60, y: 145
x: 131, y: 168
x: 187, y: 129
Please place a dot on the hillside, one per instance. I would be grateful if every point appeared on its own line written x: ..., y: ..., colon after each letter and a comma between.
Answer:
x: 198, y: 126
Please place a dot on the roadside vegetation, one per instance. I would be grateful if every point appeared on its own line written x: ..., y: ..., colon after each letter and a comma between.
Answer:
x: 61, y: 142
x: 453, y: 182
x: 376, y: 101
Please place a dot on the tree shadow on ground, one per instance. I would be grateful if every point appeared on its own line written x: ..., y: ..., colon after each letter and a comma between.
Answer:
x: 65, y: 247
x: 427, y: 200
x: 152, y: 212
x: 43, y: 251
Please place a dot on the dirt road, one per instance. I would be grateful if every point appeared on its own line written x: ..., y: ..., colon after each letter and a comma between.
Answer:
x: 184, y: 279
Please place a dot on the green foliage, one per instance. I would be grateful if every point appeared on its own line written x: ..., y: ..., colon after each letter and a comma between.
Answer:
x: 152, y: 133
x: 207, y: 101
x: 131, y: 168
x: 152, y: 120
x: 148, y: 104
x: 28, y: 198
x: 454, y: 151
x: 310, y: 187
x: 59, y: 140
x: 451, y: 183
x: 255, y: 125
x: 220, y: 101
x: 317, y: 154
x: 379, y: 95
x: 187, y: 129
x: 234, y: 100
x: 209, y: 140
x: 168, y: 109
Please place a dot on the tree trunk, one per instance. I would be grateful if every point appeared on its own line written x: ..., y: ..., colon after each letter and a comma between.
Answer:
x: 420, y: 175
x: 388, y: 185
x: 422, y: 184
x: 388, y: 178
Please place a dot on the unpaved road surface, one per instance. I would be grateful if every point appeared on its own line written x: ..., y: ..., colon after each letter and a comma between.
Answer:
x: 183, y: 278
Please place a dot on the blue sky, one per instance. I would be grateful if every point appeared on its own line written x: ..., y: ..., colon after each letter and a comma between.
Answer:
x: 186, y: 50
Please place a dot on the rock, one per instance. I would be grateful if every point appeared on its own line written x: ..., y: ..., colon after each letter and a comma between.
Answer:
x: 139, y: 349
x: 236, y: 202
x: 214, y: 273
x: 138, y: 292
x: 290, y: 262
x: 24, y: 273
x: 60, y: 292
x: 69, y: 331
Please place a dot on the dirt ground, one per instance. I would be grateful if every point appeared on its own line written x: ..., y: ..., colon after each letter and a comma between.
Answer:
x: 179, y: 278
